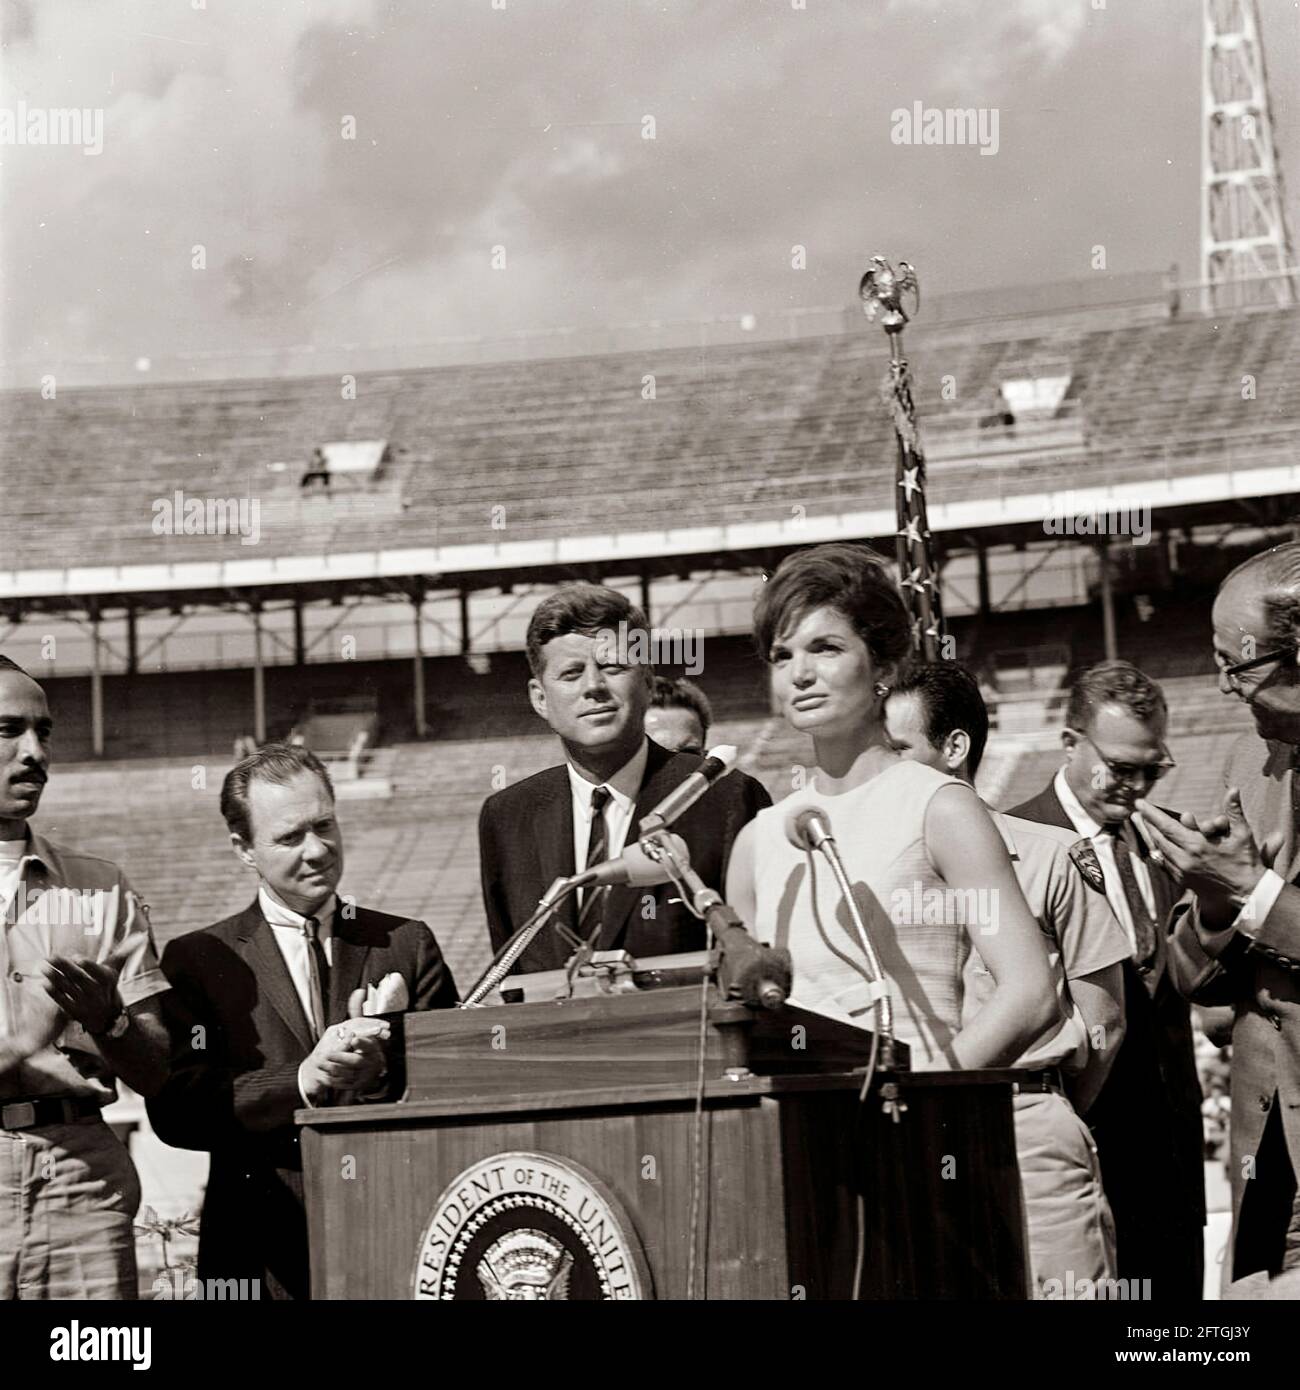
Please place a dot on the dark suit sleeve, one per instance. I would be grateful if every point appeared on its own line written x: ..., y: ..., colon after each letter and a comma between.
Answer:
x: 1198, y: 976
x: 753, y: 798
x: 206, y: 1102
x: 491, y: 870
x: 434, y: 986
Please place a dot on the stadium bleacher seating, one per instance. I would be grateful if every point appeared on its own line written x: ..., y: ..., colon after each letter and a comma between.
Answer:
x: 759, y: 428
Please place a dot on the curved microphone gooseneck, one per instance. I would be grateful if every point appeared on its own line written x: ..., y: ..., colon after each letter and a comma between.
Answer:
x: 809, y: 829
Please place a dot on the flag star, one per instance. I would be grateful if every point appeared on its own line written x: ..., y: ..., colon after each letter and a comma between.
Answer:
x: 908, y: 482
x: 911, y: 532
x: 914, y: 581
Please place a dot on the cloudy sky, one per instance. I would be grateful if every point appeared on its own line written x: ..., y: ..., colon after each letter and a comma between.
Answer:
x: 519, y: 124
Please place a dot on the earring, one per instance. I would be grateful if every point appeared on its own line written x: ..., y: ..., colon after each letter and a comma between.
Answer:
x: 880, y: 689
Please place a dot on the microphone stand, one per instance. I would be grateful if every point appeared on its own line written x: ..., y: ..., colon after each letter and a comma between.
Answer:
x: 522, y: 939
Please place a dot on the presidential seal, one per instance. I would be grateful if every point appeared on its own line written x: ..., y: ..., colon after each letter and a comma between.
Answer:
x: 529, y: 1227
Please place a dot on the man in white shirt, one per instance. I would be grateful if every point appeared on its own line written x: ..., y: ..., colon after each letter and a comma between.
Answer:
x: 79, y: 1007
x: 264, y: 1016
x: 936, y: 715
x: 1147, y: 1120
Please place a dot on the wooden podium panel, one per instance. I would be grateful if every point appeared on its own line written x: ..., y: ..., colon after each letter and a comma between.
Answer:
x: 785, y: 1156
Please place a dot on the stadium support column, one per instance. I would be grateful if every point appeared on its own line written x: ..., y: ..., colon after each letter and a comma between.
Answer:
x: 96, y: 687
x: 1107, y: 602
x: 259, y: 677
x: 417, y: 664
x: 982, y: 578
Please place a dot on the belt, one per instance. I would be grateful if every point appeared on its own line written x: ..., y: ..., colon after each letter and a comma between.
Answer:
x: 46, y: 1110
x: 1030, y: 1083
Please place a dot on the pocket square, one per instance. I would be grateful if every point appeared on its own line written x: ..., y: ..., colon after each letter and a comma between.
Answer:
x: 389, y: 996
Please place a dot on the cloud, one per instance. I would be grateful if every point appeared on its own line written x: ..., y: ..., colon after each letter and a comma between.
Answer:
x: 228, y: 128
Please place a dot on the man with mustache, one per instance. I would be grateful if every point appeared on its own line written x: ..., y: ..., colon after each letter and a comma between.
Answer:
x: 79, y: 1006
x: 1147, y: 1118
x: 586, y: 810
x: 264, y: 1017
x: 1243, y: 866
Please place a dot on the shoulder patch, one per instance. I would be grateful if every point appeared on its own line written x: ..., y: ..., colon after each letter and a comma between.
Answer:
x: 1085, y: 860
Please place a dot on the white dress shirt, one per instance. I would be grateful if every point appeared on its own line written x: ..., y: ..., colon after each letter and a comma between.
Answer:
x: 286, y: 927
x: 1105, y: 848
x: 623, y: 787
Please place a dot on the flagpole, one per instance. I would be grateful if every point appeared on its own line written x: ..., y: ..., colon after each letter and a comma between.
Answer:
x: 882, y: 290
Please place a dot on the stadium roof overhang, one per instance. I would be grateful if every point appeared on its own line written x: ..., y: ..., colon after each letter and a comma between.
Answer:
x: 1261, y: 496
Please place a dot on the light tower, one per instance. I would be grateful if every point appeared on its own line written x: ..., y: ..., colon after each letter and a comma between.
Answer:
x: 1246, y: 256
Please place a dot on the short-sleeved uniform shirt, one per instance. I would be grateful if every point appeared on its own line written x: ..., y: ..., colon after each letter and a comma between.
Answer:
x: 62, y: 902
x: 1080, y: 931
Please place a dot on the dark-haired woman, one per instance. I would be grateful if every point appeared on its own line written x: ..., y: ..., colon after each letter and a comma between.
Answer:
x: 929, y: 869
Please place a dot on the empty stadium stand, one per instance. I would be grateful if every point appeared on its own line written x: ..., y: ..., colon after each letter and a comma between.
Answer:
x: 480, y: 454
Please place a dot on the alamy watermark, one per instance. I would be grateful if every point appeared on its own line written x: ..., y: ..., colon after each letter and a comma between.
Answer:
x: 655, y: 646
x: 63, y: 125
x: 89, y: 909
x: 1073, y: 517
x: 179, y: 515
x: 948, y: 125
x: 182, y: 1285
x: 925, y: 905
x: 1098, y: 1290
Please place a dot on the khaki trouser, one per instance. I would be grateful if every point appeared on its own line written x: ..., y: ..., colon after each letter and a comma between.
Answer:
x: 68, y: 1197
x: 1071, y: 1234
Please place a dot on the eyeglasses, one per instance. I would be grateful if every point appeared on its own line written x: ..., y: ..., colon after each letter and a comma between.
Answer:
x: 1133, y: 772
x: 1233, y: 671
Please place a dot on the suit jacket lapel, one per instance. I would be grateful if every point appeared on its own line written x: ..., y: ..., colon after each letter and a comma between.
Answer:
x: 1052, y: 811
x: 551, y: 831
x: 347, y: 965
x: 273, y: 978
x: 655, y: 785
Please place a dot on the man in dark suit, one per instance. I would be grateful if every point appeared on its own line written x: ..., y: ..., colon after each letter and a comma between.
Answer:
x: 265, y: 1015
x: 1147, y: 1118
x: 591, y: 684
x: 1244, y: 868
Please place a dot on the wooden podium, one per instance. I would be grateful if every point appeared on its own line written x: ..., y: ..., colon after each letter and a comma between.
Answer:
x: 552, y: 1150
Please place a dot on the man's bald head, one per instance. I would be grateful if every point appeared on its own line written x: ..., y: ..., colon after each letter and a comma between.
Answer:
x: 1257, y: 612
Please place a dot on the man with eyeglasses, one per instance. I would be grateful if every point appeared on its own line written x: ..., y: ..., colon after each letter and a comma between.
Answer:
x: 1147, y: 1119
x: 1243, y: 867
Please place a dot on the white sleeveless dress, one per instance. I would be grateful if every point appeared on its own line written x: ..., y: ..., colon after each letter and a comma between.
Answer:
x: 914, y: 924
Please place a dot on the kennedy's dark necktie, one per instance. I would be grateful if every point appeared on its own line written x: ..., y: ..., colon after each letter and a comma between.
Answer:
x: 318, y: 973
x: 1144, y: 927
x: 593, y: 901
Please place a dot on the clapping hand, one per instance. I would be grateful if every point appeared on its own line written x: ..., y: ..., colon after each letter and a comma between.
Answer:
x: 86, y: 990
x: 74, y: 990
x: 348, y: 1057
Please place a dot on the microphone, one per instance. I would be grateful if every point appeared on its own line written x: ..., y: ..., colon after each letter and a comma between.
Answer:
x: 761, y: 976
x: 809, y: 828
x: 682, y: 797
x: 634, y: 866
